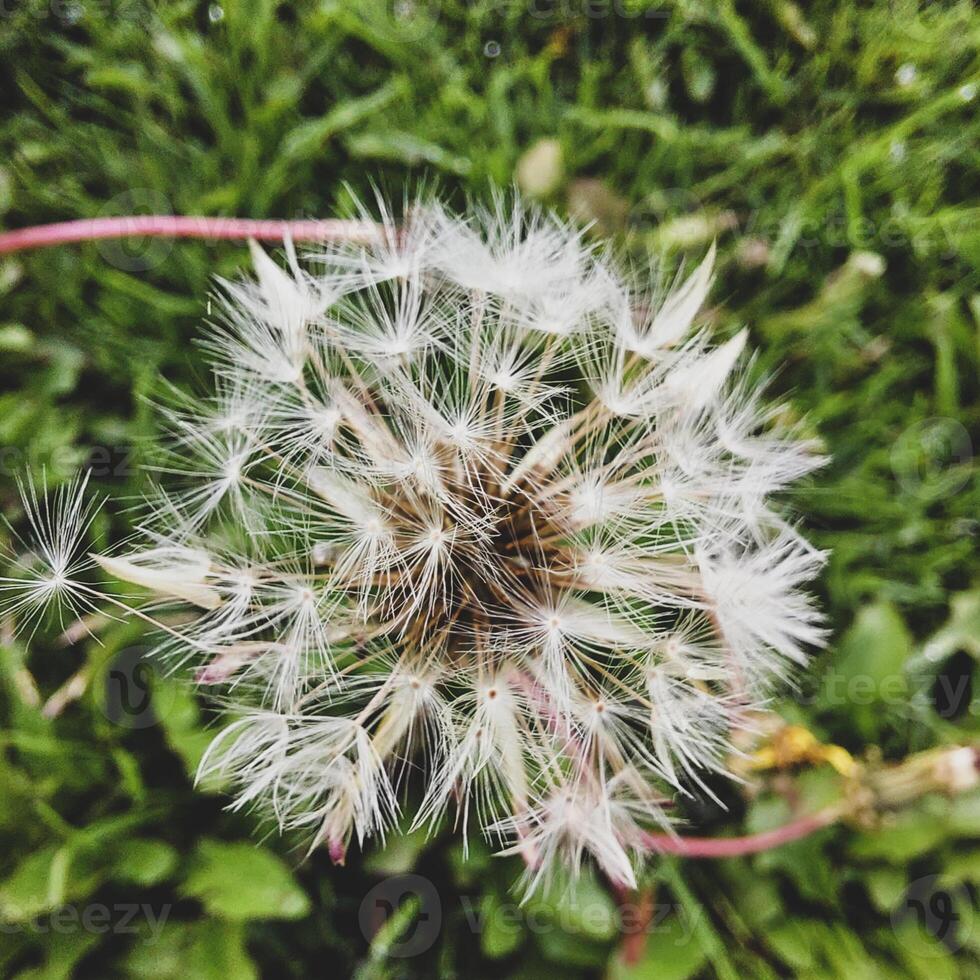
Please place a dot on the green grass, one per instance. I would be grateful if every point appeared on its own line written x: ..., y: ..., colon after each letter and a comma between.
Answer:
x: 831, y: 149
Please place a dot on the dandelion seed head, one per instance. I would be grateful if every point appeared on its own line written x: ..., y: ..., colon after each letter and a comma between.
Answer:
x: 473, y: 524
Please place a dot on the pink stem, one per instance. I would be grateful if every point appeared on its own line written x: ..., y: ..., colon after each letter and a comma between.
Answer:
x: 721, y: 847
x: 184, y: 226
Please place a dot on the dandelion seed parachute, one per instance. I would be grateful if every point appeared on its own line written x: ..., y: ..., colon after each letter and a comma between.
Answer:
x: 48, y: 570
x: 464, y: 502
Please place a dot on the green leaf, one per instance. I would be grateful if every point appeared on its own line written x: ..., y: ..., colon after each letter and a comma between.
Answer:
x: 176, y: 706
x: 905, y: 835
x: 869, y: 668
x: 307, y: 139
x: 886, y: 886
x: 756, y: 899
x: 876, y: 646
x: 143, y: 862
x: 847, y: 956
x: 15, y: 338
x: 470, y: 863
x: 398, y: 855
x: 804, y: 861
x: 406, y: 148
x: 44, y: 881
x: 570, y: 949
x: 963, y: 867
x: 806, y: 864
x: 793, y: 943
x: 697, y: 915
x: 239, y: 882
x: 62, y: 952
x: 964, y: 815
x: 502, y: 926
x: 923, y: 956
x: 208, y: 950
x: 579, y: 904
x: 671, y: 952
x: 961, y: 631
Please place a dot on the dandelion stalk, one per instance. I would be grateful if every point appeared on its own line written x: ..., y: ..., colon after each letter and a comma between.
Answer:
x: 726, y: 847
x: 185, y: 226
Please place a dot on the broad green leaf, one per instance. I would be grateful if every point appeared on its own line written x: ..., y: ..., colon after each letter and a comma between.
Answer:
x: 964, y: 815
x: 579, y: 904
x: 62, y: 951
x: 399, y: 853
x: 868, y: 669
x: 44, y: 881
x: 886, y: 886
x: 803, y: 861
x: 922, y: 827
x: 570, y: 948
x: 845, y: 954
x: 923, y: 956
x: 143, y: 862
x: 793, y: 943
x: 903, y: 835
x: 206, y: 950
x: 241, y: 881
x: 502, y: 926
x: 756, y: 899
x: 963, y: 866
x: 671, y: 952
x: 181, y: 720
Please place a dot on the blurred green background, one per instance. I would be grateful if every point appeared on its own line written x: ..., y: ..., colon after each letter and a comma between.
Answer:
x: 831, y: 149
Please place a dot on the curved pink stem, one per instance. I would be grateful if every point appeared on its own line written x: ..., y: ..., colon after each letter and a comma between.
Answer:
x: 722, y: 847
x: 184, y: 226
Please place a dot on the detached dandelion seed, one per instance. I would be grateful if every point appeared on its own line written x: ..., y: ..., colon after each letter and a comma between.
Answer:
x: 47, y: 570
x: 470, y: 519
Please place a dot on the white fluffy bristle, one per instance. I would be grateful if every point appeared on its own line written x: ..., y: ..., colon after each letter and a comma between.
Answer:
x: 466, y: 503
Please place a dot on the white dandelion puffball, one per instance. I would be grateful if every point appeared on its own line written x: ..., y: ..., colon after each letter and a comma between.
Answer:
x: 471, y: 527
